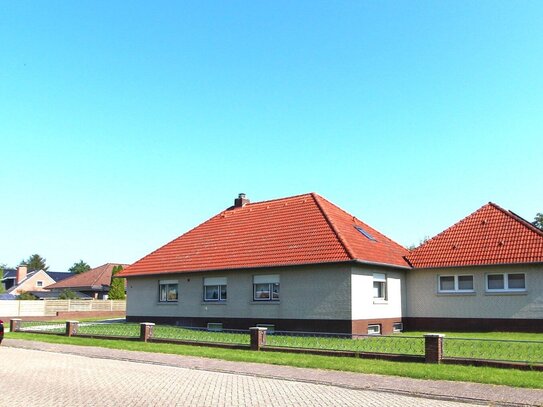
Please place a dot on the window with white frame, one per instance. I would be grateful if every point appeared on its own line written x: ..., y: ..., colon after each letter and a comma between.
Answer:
x: 215, y: 289
x: 168, y: 290
x: 39, y: 283
x: 266, y: 288
x: 497, y: 282
x: 455, y: 284
x: 379, y: 286
x: 374, y: 329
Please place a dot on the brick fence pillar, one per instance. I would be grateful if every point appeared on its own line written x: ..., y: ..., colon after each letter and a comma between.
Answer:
x: 433, y: 348
x: 146, y: 331
x: 258, y: 337
x: 15, y: 325
x: 71, y: 328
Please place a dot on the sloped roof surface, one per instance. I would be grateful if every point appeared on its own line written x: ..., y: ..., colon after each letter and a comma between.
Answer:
x: 303, y: 229
x: 9, y: 273
x: 96, y: 277
x: 490, y: 235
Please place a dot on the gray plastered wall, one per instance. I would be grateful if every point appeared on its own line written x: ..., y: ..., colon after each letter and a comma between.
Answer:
x: 424, y: 301
x: 307, y: 292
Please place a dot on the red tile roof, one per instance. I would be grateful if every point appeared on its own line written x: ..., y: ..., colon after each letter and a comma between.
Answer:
x: 490, y: 235
x: 96, y: 277
x: 303, y: 229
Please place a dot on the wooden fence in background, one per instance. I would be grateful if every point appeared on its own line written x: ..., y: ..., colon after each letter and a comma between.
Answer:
x: 43, y: 308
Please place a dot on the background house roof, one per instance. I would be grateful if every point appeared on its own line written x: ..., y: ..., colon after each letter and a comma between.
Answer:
x: 58, y: 275
x: 303, y: 229
x: 490, y: 235
x: 9, y: 273
x: 96, y: 277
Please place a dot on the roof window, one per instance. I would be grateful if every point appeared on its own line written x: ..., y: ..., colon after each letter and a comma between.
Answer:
x: 365, y: 233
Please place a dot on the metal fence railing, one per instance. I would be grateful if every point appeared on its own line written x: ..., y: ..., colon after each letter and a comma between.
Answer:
x: 226, y: 336
x: 432, y: 348
x: 394, y: 345
x: 125, y: 330
x: 494, y: 349
x: 43, y: 326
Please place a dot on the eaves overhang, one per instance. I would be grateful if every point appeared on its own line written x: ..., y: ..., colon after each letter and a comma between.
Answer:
x: 274, y: 266
x: 538, y: 263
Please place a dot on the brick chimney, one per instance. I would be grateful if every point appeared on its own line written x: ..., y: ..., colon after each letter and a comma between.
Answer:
x: 21, y: 274
x: 241, y: 201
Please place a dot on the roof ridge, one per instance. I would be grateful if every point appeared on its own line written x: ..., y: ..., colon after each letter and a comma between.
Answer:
x: 339, y: 237
x: 97, y: 278
x: 307, y: 194
x: 518, y: 218
x: 360, y: 221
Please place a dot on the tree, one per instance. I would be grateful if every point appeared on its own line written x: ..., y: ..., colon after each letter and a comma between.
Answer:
x: 79, y: 267
x: 421, y: 242
x: 116, y: 288
x: 35, y: 263
x: 24, y: 295
x: 1, y: 277
x: 538, y: 221
x: 67, y: 294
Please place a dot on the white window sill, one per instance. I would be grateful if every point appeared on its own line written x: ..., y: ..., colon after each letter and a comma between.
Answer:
x: 214, y: 302
x: 455, y: 293
x: 168, y: 303
x: 506, y: 292
x: 253, y: 302
x: 380, y: 301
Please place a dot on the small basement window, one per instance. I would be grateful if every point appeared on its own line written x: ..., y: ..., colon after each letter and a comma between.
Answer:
x: 214, y: 326
x: 374, y: 329
x: 397, y: 327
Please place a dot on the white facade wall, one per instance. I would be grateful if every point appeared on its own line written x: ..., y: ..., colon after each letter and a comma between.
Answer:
x: 364, y: 306
x: 424, y: 301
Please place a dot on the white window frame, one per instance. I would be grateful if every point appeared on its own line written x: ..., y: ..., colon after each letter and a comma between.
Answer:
x: 168, y: 284
x: 397, y: 327
x: 378, y: 332
x: 272, y: 281
x: 505, y: 283
x: 218, y: 283
x: 39, y: 283
x: 456, y: 288
x: 381, y: 280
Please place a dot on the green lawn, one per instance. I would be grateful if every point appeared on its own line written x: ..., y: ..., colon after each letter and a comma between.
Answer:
x: 509, y: 377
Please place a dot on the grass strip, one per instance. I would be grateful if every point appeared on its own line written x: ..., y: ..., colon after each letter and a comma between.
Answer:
x: 487, y: 375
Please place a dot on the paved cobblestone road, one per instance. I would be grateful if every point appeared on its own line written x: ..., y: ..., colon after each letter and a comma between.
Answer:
x: 36, y: 378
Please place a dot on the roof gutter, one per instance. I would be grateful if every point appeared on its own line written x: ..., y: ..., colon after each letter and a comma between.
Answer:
x: 536, y: 263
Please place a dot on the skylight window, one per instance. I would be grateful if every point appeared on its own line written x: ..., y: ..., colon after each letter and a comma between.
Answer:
x: 365, y: 233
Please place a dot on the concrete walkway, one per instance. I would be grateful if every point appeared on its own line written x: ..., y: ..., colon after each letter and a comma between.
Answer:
x: 442, y: 390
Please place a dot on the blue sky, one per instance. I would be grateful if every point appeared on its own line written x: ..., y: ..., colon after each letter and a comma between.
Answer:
x: 124, y: 124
